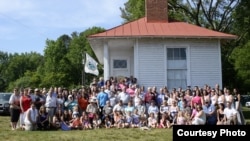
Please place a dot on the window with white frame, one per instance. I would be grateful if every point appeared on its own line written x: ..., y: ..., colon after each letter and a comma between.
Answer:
x: 176, y: 67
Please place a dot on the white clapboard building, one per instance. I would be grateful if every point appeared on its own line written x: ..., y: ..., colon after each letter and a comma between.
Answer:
x: 160, y: 52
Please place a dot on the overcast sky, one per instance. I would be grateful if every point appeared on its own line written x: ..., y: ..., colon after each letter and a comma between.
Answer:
x: 26, y: 24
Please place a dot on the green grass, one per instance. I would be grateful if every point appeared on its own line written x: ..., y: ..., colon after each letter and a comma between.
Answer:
x: 246, y: 112
x: 90, y: 135
x: 83, y: 135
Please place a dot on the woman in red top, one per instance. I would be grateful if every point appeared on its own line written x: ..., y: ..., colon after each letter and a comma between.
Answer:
x: 25, y: 102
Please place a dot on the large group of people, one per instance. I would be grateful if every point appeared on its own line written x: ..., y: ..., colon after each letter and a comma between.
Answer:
x: 122, y: 103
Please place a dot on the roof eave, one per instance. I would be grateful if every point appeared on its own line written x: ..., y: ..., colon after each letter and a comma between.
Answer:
x: 170, y: 37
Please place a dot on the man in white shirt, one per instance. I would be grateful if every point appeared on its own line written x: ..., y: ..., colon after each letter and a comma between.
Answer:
x: 124, y: 96
x: 118, y: 107
x: 230, y: 114
x: 50, y: 105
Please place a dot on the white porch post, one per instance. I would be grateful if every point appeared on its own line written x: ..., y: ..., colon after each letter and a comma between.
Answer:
x: 106, y: 61
x: 136, y: 69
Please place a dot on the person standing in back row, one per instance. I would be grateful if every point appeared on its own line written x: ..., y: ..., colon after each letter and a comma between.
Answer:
x: 14, y: 108
x: 102, y: 98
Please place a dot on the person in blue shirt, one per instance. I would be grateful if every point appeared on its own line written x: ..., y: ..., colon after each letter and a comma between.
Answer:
x: 211, y: 114
x: 160, y: 97
x: 101, y: 82
x: 102, y: 98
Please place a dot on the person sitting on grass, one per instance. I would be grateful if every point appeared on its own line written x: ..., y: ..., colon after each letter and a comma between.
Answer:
x: 97, y: 122
x: 43, y: 121
x: 76, y: 123
x: 56, y: 121
x: 86, y: 123
x: 107, y: 122
x: 143, y: 121
x: 163, y: 121
x: 118, y: 120
x: 220, y: 114
x: 66, y: 117
x: 200, y: 117
x: 152, y: 121
x: 230, y: 114
x: 31, y: 118
x: 128, y: 120
x: 181, y: 119
x: 136, y: 119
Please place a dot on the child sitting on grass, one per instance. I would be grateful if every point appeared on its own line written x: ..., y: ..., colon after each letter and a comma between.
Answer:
x: 76, y: 123
x: 152, y: 122
x: 86, y: 123
x: 107, y: 122
x: 118, y: 120
x: 97, y: 122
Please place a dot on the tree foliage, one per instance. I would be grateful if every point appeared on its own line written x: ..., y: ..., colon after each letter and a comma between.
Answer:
x: 241, y: 57
x: 242, y: 22
x: 212, y: 14
x: 61, y: 65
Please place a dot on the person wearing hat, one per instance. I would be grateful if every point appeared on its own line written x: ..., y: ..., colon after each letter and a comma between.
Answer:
x: 92, y: 109
x: 70, y: 103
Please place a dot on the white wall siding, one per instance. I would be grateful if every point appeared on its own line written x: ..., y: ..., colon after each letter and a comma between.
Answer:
x: 122, y: 53
x: 151, y: 64
x: 205, y: 65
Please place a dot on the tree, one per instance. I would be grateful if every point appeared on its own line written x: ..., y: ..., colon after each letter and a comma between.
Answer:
x: 79, y: 45
x: 242, y: 22
x: 241, y: 57
x: 134, y: 9
x: 15, y: 66
x: 212, y: 14
x: 63, y: 58
x: 57, y: 66
x: 4, y: 60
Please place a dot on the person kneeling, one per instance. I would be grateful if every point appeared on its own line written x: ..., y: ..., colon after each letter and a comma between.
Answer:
x: 31, y: 118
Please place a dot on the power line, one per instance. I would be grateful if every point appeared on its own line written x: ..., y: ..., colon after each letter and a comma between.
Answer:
x: 20, y: 23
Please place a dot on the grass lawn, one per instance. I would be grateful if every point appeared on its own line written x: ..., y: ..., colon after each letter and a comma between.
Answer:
x: 246, y: 112
x: 80, y: 135
x: 90, y: 135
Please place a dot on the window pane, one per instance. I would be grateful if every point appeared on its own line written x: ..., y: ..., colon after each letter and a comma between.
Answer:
x: 176, y: 68
x: 183, y: 54
x: 170, y: 52
x: 120, y: 64
x: 176, y: 54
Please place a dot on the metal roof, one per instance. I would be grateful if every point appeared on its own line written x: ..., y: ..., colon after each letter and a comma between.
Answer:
x: 142, y: 28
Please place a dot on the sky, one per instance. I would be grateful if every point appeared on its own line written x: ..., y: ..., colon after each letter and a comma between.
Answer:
x: 25, y: 25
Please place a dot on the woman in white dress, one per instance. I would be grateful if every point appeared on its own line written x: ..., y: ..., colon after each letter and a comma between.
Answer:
x: 200, y: 117
x: 221, y: 97
x: 31, y: 118
x: 240, y: 116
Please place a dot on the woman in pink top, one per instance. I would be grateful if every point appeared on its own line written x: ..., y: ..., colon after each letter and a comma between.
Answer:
x: 131, y: 90
x: 196, y: 99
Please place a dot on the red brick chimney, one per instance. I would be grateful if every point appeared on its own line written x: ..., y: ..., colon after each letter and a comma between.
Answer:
x: 156, y: 10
